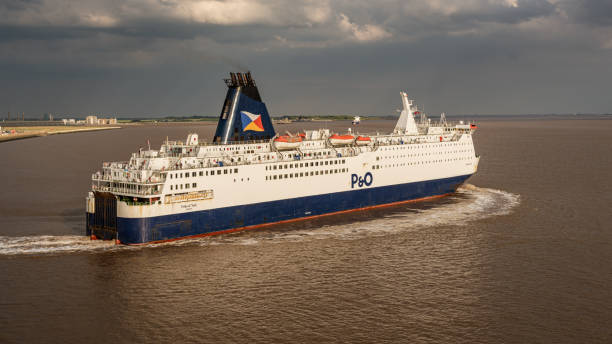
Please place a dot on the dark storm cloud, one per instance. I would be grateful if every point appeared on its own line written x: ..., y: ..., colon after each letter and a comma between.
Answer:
x: 500, y: 13
x: 17, y: 5
x: 596, y: 13
x: 22, y: 33
x: 339, y: 56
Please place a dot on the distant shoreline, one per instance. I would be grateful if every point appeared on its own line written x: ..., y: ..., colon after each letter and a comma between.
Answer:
x: 48, y: 131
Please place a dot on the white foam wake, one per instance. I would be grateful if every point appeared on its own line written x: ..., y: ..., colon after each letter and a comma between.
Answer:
x: 470, y: 204
x: 49, y: 244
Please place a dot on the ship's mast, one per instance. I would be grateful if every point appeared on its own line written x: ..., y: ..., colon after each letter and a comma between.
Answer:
x: 406, y: 124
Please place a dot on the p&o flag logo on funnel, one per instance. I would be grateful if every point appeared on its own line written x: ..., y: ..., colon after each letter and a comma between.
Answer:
x: 251, y: 121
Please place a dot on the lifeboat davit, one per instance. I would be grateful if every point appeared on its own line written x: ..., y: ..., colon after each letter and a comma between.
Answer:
x: 362, y: 140
x: 341, y: 140
x: 286, y: 142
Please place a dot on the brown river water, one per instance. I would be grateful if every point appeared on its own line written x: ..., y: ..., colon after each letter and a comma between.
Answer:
x: 521, y: 254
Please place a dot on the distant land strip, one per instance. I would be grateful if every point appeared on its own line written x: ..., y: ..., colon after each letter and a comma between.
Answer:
x: 315, y: 118
x: 29, y: 132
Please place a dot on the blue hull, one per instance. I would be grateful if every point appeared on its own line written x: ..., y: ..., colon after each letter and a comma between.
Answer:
x: 171, y: 227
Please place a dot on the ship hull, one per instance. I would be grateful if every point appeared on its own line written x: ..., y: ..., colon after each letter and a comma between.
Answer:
x: 229, y: 219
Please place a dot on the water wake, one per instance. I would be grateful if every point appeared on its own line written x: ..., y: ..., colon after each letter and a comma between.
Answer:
x: 49, y: 244
x: 471, y: 203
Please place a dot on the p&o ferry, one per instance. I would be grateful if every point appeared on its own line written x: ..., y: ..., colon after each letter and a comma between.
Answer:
x: 251, y: 176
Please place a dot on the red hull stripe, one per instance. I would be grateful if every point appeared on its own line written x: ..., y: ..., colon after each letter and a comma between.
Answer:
x: 291, y: 220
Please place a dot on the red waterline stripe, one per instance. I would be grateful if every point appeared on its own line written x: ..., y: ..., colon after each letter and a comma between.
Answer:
x: 290, y: 220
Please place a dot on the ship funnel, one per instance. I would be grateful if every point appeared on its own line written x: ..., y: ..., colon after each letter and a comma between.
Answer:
x: 244, y: 116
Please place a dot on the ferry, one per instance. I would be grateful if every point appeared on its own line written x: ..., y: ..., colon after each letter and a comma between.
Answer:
x: 250, y: 176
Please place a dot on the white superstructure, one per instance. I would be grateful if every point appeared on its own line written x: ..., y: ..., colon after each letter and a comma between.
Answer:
x: 190, y: 176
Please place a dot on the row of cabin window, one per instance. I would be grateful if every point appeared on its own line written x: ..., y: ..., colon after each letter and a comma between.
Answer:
x: 306, y: 174
x: 306, y: 164
x: 202, y: 174
x: 271, y: 156
x: 377, y: 167
x: 419, y: 154
x: 180, y: 186
x: 409, y: 146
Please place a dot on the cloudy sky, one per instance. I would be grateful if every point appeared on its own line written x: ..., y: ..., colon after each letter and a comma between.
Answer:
x: 153, y: 57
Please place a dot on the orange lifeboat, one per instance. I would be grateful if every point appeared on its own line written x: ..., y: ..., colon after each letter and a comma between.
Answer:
x: 286, y: 142
x: 362, y: 140
x: 341, y: 140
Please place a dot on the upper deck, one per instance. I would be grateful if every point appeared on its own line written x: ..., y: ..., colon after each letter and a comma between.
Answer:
x: 147, y: 170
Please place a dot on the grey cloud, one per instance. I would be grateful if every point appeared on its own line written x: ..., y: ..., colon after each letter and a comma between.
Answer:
x: 499, y: 13
x: 17, y: 5
x: 144, y: 57
x: 589, y: 12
